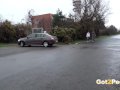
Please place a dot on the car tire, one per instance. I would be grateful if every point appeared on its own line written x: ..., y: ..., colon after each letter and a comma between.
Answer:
x: 22, y: 44
x: 45, y: 44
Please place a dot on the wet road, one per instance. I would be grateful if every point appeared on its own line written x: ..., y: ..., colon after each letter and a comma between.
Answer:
x: 65, y: 67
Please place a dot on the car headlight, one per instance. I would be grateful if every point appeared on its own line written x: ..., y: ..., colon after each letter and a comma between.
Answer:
x: 18, y: 40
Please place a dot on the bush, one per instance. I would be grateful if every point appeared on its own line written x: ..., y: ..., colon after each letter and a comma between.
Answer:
x: 7, y: 32
x: 111, y: 30
x: 64, y: 35
x: 10, y: 32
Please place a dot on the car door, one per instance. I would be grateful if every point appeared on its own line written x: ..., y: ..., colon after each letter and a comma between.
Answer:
x: 38, y: 38
x: 30, y: 39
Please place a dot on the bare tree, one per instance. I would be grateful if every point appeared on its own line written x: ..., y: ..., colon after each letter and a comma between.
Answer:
x: 90, y: 9
x: 29, y: 16
x: 91, y: 14
x: 29, y: 21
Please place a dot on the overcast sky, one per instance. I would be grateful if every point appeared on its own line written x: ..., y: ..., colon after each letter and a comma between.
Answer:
x: 16, y: 10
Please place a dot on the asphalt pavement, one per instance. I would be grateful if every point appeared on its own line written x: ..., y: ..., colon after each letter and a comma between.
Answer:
x: 61, y: 67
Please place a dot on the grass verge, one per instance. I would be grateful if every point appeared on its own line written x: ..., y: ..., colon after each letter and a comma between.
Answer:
x: 3, y: 45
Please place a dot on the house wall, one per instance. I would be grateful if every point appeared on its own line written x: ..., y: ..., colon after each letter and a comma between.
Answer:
x: 43, y: 21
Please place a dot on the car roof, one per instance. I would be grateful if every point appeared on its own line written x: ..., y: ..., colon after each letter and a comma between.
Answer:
x: 38, y: 33
x: 42, y: 33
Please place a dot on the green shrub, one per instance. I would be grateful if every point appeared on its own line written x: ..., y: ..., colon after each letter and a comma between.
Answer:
x: 10, y: 32
x: 64, y: 35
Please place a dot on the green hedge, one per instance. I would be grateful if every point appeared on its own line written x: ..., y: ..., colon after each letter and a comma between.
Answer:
x: 64, y: 35
x: 10, y: 32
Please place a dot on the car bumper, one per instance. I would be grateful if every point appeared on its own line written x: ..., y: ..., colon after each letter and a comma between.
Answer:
x: 53, y: 41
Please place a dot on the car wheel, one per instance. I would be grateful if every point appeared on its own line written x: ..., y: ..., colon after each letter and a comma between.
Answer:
x: 45, y: 44
x: 22, y: 44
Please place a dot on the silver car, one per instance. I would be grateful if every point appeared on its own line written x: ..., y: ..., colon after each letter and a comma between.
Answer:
x: 44, y: 39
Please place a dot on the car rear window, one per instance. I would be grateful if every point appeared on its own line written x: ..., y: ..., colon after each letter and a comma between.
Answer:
x: 48, y: 35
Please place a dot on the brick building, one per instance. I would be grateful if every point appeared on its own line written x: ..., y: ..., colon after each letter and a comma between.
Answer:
x: 42, y: 21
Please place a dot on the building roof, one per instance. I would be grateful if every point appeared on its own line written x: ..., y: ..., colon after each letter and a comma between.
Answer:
x: 42, y: 16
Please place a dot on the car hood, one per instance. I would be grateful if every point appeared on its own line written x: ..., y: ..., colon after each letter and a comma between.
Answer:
x: 22, y: 39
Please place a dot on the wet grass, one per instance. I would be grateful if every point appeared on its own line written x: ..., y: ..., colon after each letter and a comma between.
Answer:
x: 97, y: 39
x: 3, y: 45
x: 102, y: 37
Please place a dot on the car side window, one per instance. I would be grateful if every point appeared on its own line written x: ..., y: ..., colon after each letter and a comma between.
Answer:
x: 38, y: 35
x: 43, y: 35
x: 31, y: 36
